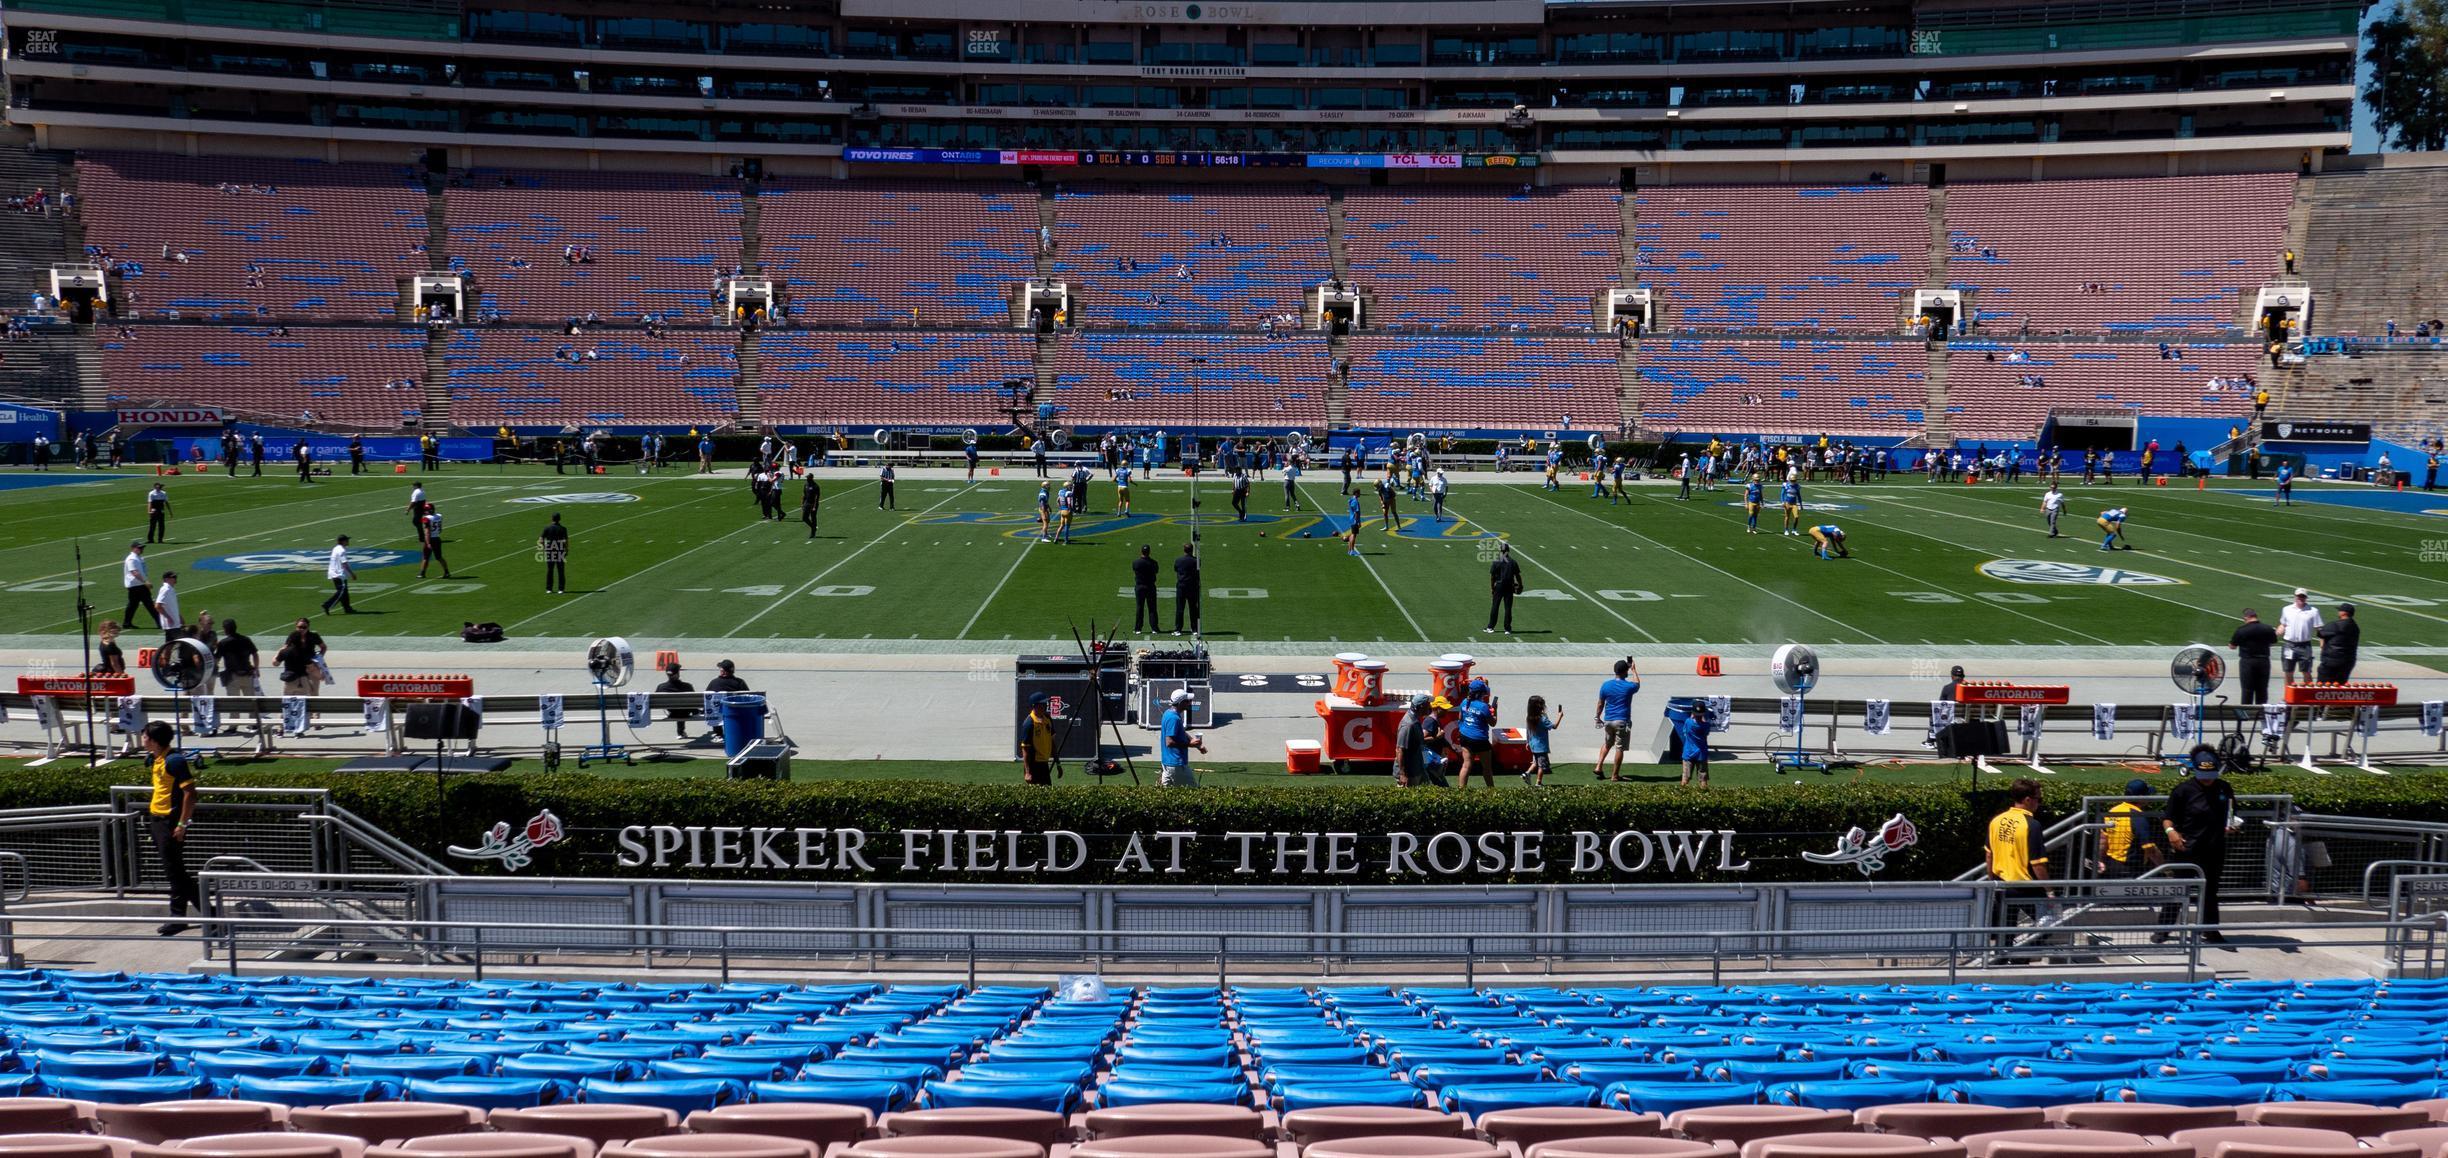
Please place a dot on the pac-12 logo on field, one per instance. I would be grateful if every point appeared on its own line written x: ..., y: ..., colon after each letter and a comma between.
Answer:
x: 580, y: 498
x: 2044, y: 571
x: 308, y: 560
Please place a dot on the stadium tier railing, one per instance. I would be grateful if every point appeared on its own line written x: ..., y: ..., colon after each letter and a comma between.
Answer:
x: 287, y: 921
x: 95, y: 848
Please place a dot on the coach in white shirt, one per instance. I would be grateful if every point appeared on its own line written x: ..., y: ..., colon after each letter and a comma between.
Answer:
x: 2052, y: 504
x: 339, y: 572
x: 166, y: 609
x: 2299, y: 630
x: 139, y: 586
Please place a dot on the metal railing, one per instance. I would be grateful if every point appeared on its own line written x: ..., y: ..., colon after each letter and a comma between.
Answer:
x: 97, y: 847
x: 728, y: 950
x: 1566, y: 927
x: 2323, y: 857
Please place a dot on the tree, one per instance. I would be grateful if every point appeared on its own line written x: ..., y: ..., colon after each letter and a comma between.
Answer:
x: 2408, y: 94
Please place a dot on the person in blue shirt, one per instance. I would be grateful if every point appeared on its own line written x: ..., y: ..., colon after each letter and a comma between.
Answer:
x: 1351, y: 525
x: 1790, y: 495
x: 1598, y: 478
x: 1614, y: 716
x: 1751, y: 505
x: 2112, y: 527
x: 2286, y: 484
x: 1175, y: 742
x: 705, y: 455
x: 1122, y: 482
x: 1827, y: 537
x: 1475, y: 726
x: 1693, y: 732
x: 1535, y: 728
x: 969, y: 451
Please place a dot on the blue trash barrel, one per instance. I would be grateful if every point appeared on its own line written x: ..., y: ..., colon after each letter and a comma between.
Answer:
x: 743, y: 721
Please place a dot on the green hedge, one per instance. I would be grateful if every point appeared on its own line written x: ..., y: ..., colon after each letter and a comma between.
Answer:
x: 1776, y: 823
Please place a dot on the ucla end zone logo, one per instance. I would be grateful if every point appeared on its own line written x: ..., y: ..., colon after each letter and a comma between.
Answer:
x: 582, y: 498
x: 1448, y: 529
x: 303, y: 560
x: 1770, y: 500
x: 2078, y: 574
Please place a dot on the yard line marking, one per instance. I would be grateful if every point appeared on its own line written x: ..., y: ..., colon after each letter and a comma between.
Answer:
x: 1372, y: 570
x: 1713, y: 567
x: 838, y: 564
x: 974, y: 616
x: 2322, y: 591
x: 1600, y: 604
x: 2265, y: 528
x: 673, y: 558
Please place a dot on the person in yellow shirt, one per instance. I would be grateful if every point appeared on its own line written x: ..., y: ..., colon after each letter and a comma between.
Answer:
x: 167, y: 815
x: 2013, y: 862
x: 2126, y: 847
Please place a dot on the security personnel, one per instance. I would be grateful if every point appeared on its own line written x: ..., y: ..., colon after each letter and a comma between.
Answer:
x: 305, y: 462
x: 1504, y: 582
x: 255, y: 453
x: 1240, y: 496
x: 1037, y: 750
x: 2200, y: 814
x: 2251, y: 643
x: 1186, y: 588
x: 2011, y: 859
x: 809, y: 497
x: 1143, y: 592
x: 157, y: 515
x: 356, y: 454
x: 553, y: 547
x: 2340, y: 640
x: 2126, y: 847
x: 167, y: 814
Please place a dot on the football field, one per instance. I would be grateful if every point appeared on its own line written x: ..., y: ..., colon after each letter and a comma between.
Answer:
x: 677, y: 556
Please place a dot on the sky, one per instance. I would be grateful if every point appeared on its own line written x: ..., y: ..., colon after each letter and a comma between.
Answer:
x: 2367, y: 137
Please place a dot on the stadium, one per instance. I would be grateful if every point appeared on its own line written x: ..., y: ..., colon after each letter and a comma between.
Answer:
x: 1920, y: 517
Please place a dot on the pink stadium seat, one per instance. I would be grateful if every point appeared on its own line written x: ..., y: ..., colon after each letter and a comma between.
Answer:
x: 1851, y: 1146
x: 1441, y: 256
x: 943, y: 1146
x: 376, y: 1121
x: 172, y: 1121
x: 1399, y: 1146
x: 2162, y: 262
x: 264, y: 238
x: 714, y: 1146
x: 1525, y: 1128
x: 498, y: 1144
x: 1827, y: 258
x: 1173, y: 1146
x: 2071, y: 1144
x: 2141, y: 1117
x: 1946, y: 1119
x: 871, y: 252
x: 1629, y: 1148
x: 44, y: 1115
x: 272, y: 1145
x: 814, y: 1122
x: 2433, y: 1140
x: 2284, y: 1142
x: 598, y: 1122
x: 1037, y: 1127
x: 1741, y: 1124
x: 33, y: 1144
x: 1327, y: 1125
x: 1174, y: 1118
x: 2358, y: 1120
x: 657, y: 240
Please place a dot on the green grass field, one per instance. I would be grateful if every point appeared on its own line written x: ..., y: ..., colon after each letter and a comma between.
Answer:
x: 678, y: 556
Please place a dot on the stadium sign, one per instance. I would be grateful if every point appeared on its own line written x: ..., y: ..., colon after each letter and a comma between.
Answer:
x: 172, y: 416
x: 2347, y: 432
x: 1057, y: 852
x: 302, y: 560
x: 579, y: 498
x: 2076, y: 574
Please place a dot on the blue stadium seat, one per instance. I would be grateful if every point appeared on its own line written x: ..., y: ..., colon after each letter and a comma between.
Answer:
x: 683, y: 1096
x: 1115, y: 1092
x: 1052, y: 1097
x: 486, y: 1093
x: 1849, y: 1095
x: 876, y: 1097
x: 305, y: 1091
x: 1667, y: 1097
x: 1474, y: 1099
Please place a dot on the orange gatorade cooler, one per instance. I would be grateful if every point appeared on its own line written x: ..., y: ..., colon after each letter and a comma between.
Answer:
x: 1346, y: 679
x: 1371, y: 676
